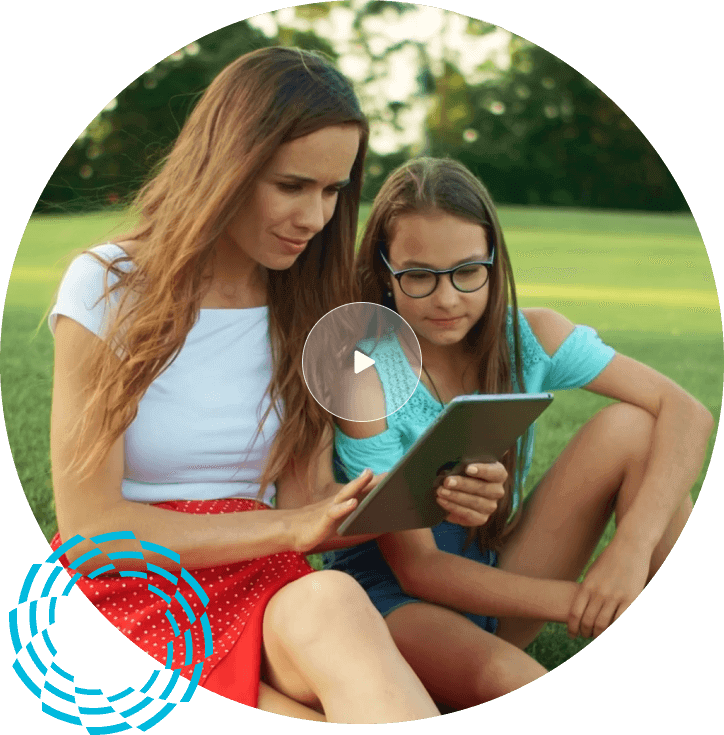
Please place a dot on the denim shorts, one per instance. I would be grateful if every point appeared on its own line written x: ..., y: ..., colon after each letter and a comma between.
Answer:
x: 367, y: 565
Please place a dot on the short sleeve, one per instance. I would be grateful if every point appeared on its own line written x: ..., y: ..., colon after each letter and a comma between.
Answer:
x: 378, y: 453
x: 580, y: 358
x: 80, y: 295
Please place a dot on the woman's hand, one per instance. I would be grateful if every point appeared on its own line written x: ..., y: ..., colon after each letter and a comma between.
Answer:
x: 611, y: 584
x: 471, y: 499
x: 315, y: 523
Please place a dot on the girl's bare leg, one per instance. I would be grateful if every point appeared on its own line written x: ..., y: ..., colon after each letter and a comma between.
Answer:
x: 459, y: 664
x: 325, y: 644
x: 599, y: 472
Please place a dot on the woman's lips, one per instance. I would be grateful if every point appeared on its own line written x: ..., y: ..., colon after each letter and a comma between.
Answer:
x: 293, y: 247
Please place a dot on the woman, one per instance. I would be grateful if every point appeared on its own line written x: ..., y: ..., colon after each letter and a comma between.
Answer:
x: 433, y: 250
x: 179, y: 404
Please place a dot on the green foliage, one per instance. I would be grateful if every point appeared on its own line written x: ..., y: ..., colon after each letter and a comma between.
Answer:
x: 536, y: 132
x: 541, y: 133
x: 121, y: 146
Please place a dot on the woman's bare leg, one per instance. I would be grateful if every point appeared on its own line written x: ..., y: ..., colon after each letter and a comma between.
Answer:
x: 325, y: 644
x: 459, y: 664
x: 270, y: 700
x: 599, y: 472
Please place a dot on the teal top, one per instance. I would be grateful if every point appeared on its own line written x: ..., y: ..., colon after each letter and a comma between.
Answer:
x: 578, y: 360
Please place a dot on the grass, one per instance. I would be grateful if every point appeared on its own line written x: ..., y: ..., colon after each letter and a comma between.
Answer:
x: 643, y: 280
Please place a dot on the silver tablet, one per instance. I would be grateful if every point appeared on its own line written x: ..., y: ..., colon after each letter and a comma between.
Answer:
x: 477, y: 428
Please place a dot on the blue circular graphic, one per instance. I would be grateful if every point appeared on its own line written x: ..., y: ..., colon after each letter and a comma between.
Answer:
x: 61, y: 697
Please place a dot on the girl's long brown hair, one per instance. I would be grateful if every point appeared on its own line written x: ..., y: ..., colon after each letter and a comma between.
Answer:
x: 260, y: 101
x: 439, y: 184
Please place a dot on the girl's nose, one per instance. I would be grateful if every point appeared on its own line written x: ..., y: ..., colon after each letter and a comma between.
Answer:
x: 445, y: 295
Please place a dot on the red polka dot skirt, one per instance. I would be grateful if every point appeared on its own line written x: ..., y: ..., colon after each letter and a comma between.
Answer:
x: 238, y: 595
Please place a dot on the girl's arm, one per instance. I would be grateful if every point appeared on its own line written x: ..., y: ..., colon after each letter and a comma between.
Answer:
x: 682, y: 429
x: 94, y: 505
x: 683, y: 426
x: 453, y: 581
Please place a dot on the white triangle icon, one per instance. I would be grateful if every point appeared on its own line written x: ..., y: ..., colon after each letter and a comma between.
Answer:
x: 361, y: 362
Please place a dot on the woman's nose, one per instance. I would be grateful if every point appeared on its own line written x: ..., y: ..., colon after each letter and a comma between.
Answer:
x: 312, y: 215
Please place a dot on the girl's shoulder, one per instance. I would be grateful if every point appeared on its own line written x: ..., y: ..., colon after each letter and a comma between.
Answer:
x: 549, y: 328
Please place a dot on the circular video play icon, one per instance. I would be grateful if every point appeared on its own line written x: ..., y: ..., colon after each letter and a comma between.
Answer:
x: 361, y: 361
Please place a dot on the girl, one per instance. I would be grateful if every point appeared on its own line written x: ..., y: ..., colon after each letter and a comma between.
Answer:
x: 433, y: 251
x: 179, y: 405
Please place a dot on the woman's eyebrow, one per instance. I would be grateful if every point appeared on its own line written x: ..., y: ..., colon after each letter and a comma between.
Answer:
x: 309, y: 180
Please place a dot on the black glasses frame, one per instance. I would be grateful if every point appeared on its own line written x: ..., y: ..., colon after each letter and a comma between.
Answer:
x: 449, y: 271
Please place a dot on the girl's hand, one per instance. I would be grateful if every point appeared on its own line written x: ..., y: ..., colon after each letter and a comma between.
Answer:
x: 472, y: 498
x: 611, y: 584
x: 315, y: 523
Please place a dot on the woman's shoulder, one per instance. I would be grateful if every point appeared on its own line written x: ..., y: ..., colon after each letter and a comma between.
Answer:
x: 83, y: 286
x: 101, y: 255
x: 126, y: 247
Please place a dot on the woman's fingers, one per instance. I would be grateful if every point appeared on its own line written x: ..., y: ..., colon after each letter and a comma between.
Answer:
x: 340, y: 510
x: 349, y: 496
x: 353, y: 487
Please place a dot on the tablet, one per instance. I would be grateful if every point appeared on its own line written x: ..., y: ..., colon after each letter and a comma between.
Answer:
x: 475, y: 428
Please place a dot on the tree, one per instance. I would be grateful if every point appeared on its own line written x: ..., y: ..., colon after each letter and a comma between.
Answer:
x: 540, y: 133
x: 121, y: 145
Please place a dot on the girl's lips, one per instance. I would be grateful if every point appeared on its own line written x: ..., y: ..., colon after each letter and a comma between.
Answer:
x: 446, y: 322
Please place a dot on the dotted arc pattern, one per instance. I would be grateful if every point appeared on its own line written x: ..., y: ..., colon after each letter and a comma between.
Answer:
x: 90, y: 707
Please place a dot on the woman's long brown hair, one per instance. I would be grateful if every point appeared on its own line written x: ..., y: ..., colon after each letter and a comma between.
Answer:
x: 444, y: 185
x: 260, y: 101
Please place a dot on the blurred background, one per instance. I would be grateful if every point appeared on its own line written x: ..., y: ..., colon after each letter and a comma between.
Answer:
x: 432, y: 82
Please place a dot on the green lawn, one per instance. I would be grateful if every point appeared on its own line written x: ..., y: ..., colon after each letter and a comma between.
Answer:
x: 643, y: 280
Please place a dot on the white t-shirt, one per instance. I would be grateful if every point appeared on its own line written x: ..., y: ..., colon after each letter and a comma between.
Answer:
x: 194, y: 435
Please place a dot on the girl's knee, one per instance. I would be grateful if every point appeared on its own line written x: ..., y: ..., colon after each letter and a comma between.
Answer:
x: 505, y: 672
x: 629, y: 427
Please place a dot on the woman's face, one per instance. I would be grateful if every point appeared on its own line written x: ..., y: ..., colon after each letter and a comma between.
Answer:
x: 295, y: 196
x: 439, y: 241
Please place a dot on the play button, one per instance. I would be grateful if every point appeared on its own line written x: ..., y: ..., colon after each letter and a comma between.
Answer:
x: 341, y: 348
x: 361, y: 362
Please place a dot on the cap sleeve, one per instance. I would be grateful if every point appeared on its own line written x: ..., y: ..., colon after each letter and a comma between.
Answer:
x: 80, y: 295
x: 378, y: 453
x: 580, y: 358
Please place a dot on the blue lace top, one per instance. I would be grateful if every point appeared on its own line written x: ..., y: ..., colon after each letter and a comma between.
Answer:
x: 578, y: 360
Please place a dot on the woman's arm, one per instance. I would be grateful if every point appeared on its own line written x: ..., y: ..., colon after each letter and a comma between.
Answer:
x: 292, y: 492
x: 94, y: 505
x: 453, y: 581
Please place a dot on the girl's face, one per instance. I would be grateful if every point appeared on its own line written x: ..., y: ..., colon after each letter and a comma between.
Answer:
x: 439, y: 241
x: 295, y: 196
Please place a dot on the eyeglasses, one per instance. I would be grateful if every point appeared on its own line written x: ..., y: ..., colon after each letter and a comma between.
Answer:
x: 420, y: 282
